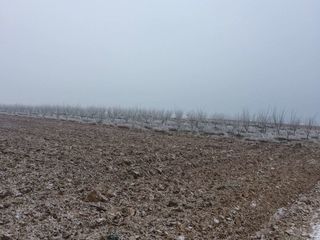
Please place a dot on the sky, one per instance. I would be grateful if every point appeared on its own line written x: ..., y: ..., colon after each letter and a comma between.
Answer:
x: 213, y: 55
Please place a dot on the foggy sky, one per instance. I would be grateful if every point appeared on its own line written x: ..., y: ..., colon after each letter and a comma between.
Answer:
x: 218, y: 56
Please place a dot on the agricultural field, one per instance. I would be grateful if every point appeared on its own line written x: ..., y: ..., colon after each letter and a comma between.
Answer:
x: 72, y: 180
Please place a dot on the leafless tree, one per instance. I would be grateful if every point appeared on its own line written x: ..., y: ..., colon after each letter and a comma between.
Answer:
x: 318, y: 131
x: 82, y: 113
x: 144, y: 116
x: 294, y: 122
x: 101, y: 114
x: 309, y: 126
x: 263, y: 119
x: 127, y: 114
x: 192, y: 119
x: 67, y: 111
x: 245, y: 120
x: 278, y: 119
x: 236, y: 125
x: 167, y: 116
x: 109, y: 113
x: 58, y: 111
x: 178, y: 115
x: 217, y: 118
x: 114, y: 113
x: 44, y: 110
x: 195, y: 118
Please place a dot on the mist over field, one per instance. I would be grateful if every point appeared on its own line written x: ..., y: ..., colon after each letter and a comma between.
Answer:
x: 218, y: 56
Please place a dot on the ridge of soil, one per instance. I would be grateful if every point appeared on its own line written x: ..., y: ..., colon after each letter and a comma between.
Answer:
x: 67, y: 180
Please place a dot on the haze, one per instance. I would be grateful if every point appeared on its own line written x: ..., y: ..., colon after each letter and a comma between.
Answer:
x: 218, y: 56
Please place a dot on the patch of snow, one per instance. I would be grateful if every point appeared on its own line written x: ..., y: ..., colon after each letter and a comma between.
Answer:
x: 181, y: 237
x: 316, y: 232
x: 253, y: 204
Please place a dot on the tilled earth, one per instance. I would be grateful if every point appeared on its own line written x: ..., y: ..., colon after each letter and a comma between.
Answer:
x: 67, y: 180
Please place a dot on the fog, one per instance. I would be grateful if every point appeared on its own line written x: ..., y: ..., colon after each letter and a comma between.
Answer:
x: 218, y: 56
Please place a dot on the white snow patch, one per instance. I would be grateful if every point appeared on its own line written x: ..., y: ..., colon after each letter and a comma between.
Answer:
x: 316, y: 232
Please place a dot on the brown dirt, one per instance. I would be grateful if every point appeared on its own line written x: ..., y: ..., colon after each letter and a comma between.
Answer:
x: 66, y: 180
x: 297, y: 222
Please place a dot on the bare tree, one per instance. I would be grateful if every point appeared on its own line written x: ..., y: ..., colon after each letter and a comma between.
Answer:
x: 195, y: 118
x: 67, y: 111
x: 244, y: 119
x: 43, y: 110
x: 82, y: 113
x: 236, y: 125
x: 217, y: 118
x: 318, y: 131
x: 128, y: 114
x: 278, y: 119
x: 263, y: 119
x: 101, y: 114
x: 178, y: 115
x: 202, y: 116
x: 309, y: 126
x: 192, y: 119
x: 58, y: 111
x: 167, y: 116
x: 294, y: 122
x: 135, y: 116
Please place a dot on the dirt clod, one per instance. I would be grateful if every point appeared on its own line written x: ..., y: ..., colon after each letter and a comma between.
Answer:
x: 95, y: 196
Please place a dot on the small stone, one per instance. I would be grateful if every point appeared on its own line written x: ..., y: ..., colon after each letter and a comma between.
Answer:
x: 216, y: 220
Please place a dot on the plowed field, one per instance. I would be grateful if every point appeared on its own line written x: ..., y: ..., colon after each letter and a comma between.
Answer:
x: 68, y: 180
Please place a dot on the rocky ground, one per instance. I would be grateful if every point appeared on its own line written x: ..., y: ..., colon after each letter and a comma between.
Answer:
x: 67, y: 180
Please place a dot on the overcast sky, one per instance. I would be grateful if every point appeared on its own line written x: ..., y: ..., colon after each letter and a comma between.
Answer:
x: 218, y: 56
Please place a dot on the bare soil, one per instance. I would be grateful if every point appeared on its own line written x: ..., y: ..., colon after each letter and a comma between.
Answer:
x: 296, y: 222
x: 67, y: 180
